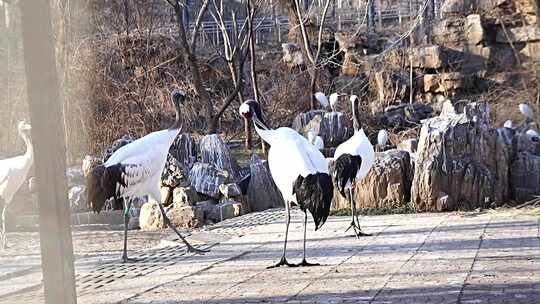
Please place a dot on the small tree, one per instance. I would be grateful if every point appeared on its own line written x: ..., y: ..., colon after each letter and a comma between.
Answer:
x: 234, y: 53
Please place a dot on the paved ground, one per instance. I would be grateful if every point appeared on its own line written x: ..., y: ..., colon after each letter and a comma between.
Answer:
x: 490, y: 257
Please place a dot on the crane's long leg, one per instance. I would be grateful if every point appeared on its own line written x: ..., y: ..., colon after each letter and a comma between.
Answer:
x: 190, y: 248
x: 3, y: 234
x: 304, y: 262
x: 127, y: 207
x: 283, y: 261
x: 355, y: 222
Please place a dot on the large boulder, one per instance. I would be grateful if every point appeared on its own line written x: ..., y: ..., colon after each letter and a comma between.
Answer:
x: 333, y: 127
x: 525, y: 176
x: 518, y: 34
x: 183, y: 216
x: 460, y: 164
x: 387, y: 184
x: 404, y: 115
x: 262, y: 191
x: 150, y: 217
x: 225, y: 209
x: 186, y: 196
x: 206, y: 179
x: 182, y: 156
x: 215, y: 152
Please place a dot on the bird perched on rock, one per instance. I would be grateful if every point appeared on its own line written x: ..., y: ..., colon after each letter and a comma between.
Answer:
x: 527, y: 111
x: 353, y: 160
x: 13, y: 173
x: 134, y: 170
x: 508, y: 124
x: 322, y: 99
x: 300, y: 172
x: 382, y: 139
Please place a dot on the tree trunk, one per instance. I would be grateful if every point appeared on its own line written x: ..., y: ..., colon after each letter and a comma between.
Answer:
x: 49, y: 146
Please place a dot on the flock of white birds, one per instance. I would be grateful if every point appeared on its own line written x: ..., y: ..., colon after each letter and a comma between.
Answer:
x: 304, y: 179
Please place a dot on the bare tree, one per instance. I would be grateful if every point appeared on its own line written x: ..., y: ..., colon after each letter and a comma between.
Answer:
x: 234, y: 54
x: 313, y: 56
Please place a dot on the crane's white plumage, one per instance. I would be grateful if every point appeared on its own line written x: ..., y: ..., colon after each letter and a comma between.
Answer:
x: 321, y: 98
x: 526, y: 110
x: 382, y: 138
x: 299, y: 170
x: 508, y: 124
x: 13, y: 173
x: 532, y: 134
x: 359, y: 145
x: 302, y: 158
x: 315, y: 140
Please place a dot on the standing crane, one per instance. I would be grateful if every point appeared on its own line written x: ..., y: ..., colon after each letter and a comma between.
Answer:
x: 134, y: 170
x: 13, y: 173
x: 382, y: 139
x: 300, y: 172
x: 353, y: 160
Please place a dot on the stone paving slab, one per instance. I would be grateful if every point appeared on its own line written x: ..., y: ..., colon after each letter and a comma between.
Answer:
x: 414, y: 258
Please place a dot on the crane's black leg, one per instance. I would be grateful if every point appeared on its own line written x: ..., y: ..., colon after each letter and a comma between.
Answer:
x: 304, y: 262
x: 127, y: 207
x: 190, y: 248
x: 355, y: 222
x: 283, y: 261
x: 3, y: 234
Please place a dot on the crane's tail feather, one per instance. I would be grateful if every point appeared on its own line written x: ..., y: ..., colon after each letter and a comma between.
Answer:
x: 345, y: 169
x: 101, y: 185
x: 315, y: 193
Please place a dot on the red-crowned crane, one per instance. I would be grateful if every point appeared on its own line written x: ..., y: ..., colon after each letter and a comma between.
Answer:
x: 13, y: 173
x: 300, y: 172
x: 353, y: 160
x: 134, y: 170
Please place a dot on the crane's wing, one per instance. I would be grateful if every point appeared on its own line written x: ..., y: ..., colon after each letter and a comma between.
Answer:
x: 292, y: 156
x: 134, y: 171
x: 152, y: 141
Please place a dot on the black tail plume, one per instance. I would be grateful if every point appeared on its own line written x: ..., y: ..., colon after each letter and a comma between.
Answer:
x: 345, y: 168
x: 101, y: 185
x: 315, y: 193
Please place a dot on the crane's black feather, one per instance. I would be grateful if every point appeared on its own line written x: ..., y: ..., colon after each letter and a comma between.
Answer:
x: 101, y: 185
x: 315, y: 193
x: 345, y: 169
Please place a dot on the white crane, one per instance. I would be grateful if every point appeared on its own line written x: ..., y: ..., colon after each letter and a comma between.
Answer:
x: 13, y: 173
x: 526, y: 110
x: 134, y: 170
x: 321, y: 98
x: 315, y: 139
x: 533, y: 135
x: 300, y: 172
x: 382, y: 139
x: 334, y: 99
x: 353, y: 160
x: 508, y: 124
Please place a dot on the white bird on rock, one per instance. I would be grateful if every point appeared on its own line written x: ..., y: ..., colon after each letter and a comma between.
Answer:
x: 533, y: 135
x: 300, y: 172
x: 322, y: 99
x: 13, y: 173
x: 353, y: 160
x: 315, y: 139
x: 508, y: 124
x: 134, y: 170
x: 382, y: 139
x: 526, y: 110
x: 334, y: 99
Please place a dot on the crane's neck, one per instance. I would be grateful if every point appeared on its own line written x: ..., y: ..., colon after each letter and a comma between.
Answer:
x: 177, y: 125
x: 356, y: 118
x: 29, y: 148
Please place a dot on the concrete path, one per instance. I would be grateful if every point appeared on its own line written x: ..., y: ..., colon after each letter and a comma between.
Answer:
x: 491, y: 257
